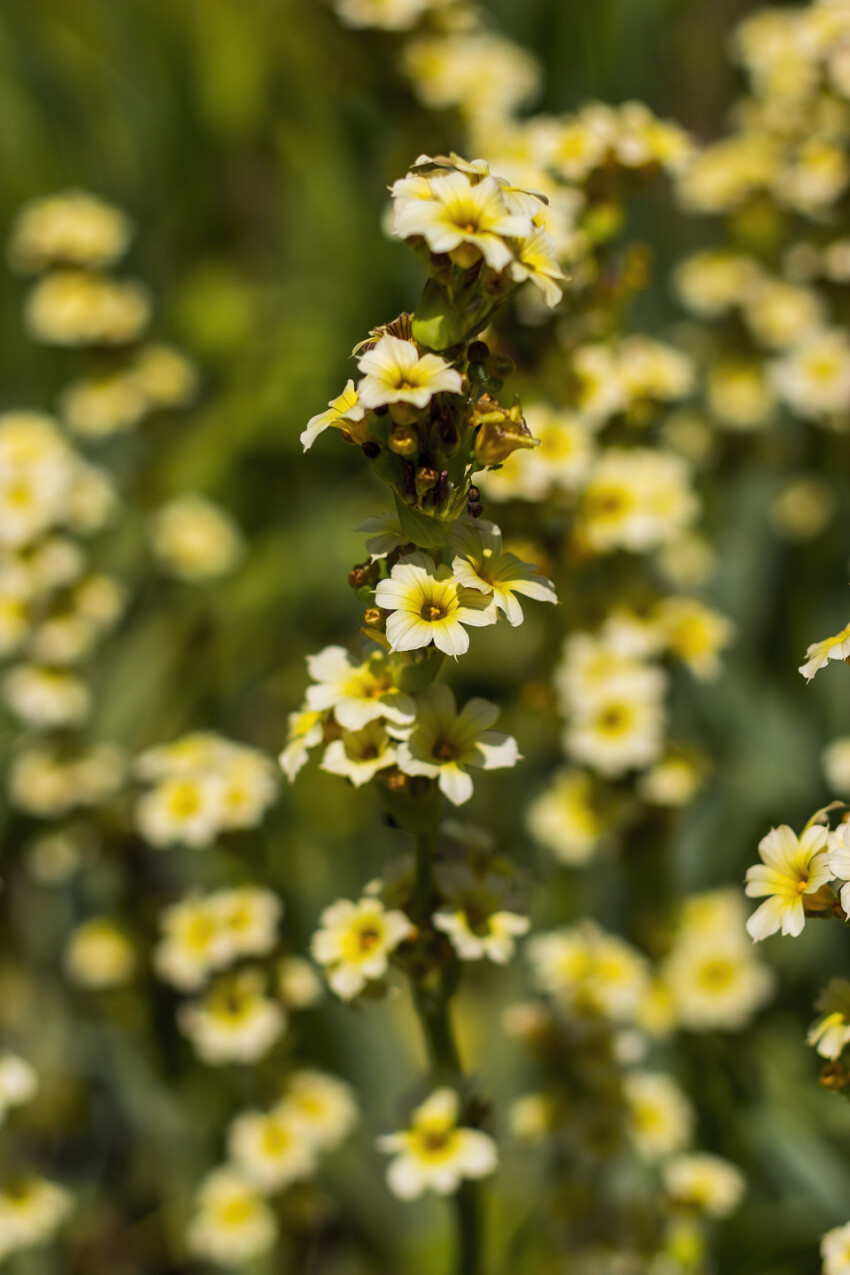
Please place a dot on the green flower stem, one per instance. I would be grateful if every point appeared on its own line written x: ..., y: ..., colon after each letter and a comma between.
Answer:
x: 423, y: 888
x: 470, y: 1252
x: 432, y: 999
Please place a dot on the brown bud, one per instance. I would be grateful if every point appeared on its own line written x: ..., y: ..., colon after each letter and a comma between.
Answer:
x: 371, y: 449
x: 404, y: 440
x: 478, y: 352
x: 362, y: 575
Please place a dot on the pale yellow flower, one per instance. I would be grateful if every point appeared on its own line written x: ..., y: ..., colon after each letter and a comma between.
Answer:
x: 444, y: 743
x: 791, y: 868
x: 232, y: 1223
x: 436, y: 1153
x: 467, y: 219
x: 820, y: 653
x: 354, y: 943
x: 341, y: 411
x: 482, y: 564
x: 428, y: 605
x: 395, y: 372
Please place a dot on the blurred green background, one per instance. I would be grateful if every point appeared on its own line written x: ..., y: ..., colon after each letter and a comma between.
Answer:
x: 252, y: 142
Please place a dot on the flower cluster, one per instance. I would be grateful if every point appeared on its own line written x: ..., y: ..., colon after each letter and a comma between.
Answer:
x: 32, y: 1209
x: 199, y: 787
x: 269, y: 1152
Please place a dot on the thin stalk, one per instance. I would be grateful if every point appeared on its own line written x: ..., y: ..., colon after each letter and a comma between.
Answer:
x: 432, y: 1002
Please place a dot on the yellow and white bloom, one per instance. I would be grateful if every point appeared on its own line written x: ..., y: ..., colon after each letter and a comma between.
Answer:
x: 636, y: 499
x: 535, y: 260
x: 354, y: 942
x: 618, y: 729
x: 475, y: 937
x: 232, y: 1224
x: 360, y: 754
x: 235, y: 1022
x: 830, y: 1033
x: 165, y: 377
x: 791, y: 868
x: 358, y: 692
x: 305, y: 731
x: 100, y: 955
x: 839, y: 860
x: 820, y: 653
x: 714, y: 982
x: 18, y: 1082
x: 590, y: 972
x: 185, y: 809
x: 267, y: 1147
x: 814, y: 376
x: 436, y: 1153
x: 71, y: 228
x: 388, y: 15
x: 343, y: 411
x: 395, y: 372
x: 836, y: 765
x: 660, y: 1117
x: 695, y: 634
x: 194, y: 942
x: 73, y: 307
x: 482, y: 564
x: 249, y: 916
x: 298, y: 983
x: 567, y: 817
x: 46, y: 698
x: 195, y: 539
x: 835, y: 1250
x: 31, y: 1212
x: 465, y: 218
x: 322, y: 1107
x: 428, y: 605
x: 712, y: 282
x: 444, y: 743
x: 704, y: 1182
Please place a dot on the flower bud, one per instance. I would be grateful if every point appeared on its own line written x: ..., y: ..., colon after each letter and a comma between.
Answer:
x: 478, y: 352
x: 404, y: 440
x: 363, y: 575
x: 374, y: 618
x: 500, y: 432
x: 426, y: 478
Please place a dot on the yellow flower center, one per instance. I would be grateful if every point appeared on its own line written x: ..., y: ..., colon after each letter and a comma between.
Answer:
x: 236, y: 1212
x: 432, y: 612
x: 184, y: 801
x: 715, y: 975
x: 275, y: 1139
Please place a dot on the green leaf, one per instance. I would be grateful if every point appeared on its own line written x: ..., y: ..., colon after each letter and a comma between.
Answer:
x: 423, y: 529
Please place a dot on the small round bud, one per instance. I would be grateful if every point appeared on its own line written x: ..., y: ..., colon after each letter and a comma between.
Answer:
x: 371, y: 449
x: 404, y: 440
x: 373, y: 618
x: 478, y: 352
x: 474, y: 493
x: 397, y: 781
x: 360, y: 576
x: 475, y: 508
